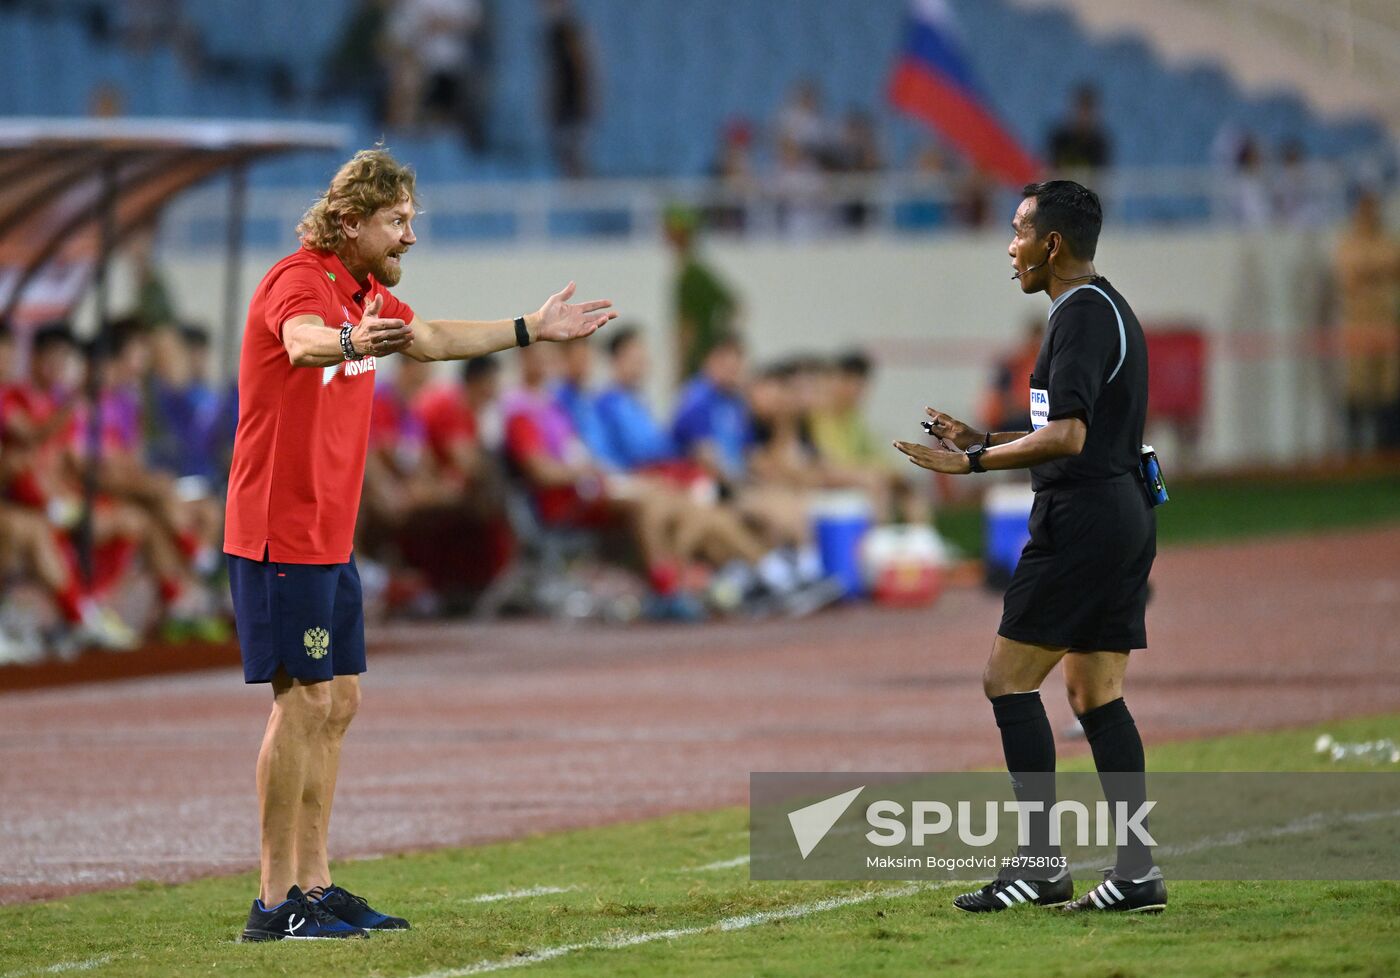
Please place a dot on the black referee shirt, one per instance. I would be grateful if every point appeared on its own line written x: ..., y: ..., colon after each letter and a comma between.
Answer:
x: 1093, y: 363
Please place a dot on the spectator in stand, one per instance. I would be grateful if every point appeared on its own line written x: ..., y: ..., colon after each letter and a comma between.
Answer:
x: 734, y: 168
x: 804, y: 127
x: 858, y: 153
x: 804, y: 200
x: 706, y: 309
x: 1251, y: 205
x: 1297, y: 200
x: 571, y: 86
x: 844, y: 441
x: 362, y: 42
x: 1368, y: 279
x: 1080, y: 141
x: 443, y: 34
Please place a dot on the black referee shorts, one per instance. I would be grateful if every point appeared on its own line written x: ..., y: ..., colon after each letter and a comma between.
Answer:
x: 1081, y: 582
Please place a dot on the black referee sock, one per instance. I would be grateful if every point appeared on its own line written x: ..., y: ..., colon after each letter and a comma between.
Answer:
x: 1029, y: 746
x: 1117, y: 747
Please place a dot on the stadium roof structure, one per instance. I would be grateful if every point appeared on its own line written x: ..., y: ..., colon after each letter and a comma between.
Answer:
x: 73, y: 190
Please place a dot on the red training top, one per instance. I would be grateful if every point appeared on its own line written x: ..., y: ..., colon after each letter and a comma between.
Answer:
x: 299, y: 456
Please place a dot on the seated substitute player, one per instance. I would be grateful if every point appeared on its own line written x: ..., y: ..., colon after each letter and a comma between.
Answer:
x: 316, y: 323
x: 1079, y: 592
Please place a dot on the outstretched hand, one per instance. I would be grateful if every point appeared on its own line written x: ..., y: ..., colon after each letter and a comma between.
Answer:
x: 559, y: 320
x: 936, y: 459
x: 375, y: 337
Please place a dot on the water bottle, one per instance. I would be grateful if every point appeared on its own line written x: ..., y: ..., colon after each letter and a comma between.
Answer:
x: 1151, y: 472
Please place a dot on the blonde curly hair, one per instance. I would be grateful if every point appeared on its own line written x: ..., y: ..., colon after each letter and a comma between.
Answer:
x: 369, y: 180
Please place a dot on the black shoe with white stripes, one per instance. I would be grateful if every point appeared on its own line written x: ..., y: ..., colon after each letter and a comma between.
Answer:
x: 296, y: 919
x: 1002, y: 894
x: 1119, y: 895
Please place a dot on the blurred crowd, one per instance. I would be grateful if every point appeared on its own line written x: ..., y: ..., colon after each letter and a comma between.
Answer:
x: 111, y: 520
x: 99, y: 502
x: 709, y: 505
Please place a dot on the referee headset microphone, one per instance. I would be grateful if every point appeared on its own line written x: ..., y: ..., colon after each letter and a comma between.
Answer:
x: 1040, y: 264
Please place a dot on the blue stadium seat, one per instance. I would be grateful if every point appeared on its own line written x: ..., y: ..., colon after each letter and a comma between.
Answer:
x: 671, y: 75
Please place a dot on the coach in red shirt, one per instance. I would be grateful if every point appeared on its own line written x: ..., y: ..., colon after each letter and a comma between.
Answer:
x: 317, y: 323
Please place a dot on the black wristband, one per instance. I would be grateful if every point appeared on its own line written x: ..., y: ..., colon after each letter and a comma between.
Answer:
x: 522, y: 335
x: 347, y: 348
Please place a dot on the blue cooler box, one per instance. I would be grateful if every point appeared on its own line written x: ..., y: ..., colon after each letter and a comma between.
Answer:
x: 841, y: 520
x: 1006, y: 514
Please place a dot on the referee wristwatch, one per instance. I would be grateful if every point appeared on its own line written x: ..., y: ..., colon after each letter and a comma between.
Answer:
x: 974, y: 457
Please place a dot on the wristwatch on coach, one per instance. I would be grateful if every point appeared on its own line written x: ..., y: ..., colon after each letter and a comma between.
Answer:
x: 974, y: 457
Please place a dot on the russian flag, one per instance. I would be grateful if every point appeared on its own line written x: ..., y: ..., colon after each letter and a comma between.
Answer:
x: 933, y: 82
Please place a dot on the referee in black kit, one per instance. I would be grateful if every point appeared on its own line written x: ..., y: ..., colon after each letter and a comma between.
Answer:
x: 1080, y: 590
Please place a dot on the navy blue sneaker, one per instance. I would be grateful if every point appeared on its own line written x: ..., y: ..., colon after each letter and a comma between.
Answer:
x: 295, y: 919
x: 353, y: 910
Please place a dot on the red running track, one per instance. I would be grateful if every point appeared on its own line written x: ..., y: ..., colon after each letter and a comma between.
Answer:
x: 470, y: 733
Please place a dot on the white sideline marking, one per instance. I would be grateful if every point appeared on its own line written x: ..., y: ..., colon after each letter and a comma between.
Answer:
x: 62, y: 966
x: 649, y: 937
x: 1307, y: 823
x: 722, y: 864
x: 533, y: 891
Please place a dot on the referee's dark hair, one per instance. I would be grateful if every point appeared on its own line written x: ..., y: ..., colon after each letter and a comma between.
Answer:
x: 1071, y: 209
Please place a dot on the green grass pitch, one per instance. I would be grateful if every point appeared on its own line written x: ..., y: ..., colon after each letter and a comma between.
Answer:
x: 670, y: 897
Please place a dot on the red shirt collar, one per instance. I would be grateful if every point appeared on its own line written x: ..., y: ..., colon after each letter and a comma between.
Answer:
x: 344, y: 282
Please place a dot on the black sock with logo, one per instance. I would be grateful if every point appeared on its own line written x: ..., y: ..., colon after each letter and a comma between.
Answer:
x: 1029, y: 746
x: 1113, y: 736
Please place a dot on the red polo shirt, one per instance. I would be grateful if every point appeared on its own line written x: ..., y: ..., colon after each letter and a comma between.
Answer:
x: 299, y: 456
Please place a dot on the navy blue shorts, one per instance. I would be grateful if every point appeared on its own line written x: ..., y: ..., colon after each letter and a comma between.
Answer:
x: 308, y: 619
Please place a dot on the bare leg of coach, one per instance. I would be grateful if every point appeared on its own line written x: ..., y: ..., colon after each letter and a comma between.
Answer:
x: 318, y: 791
x: 299, y: 714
